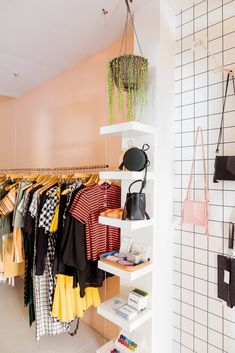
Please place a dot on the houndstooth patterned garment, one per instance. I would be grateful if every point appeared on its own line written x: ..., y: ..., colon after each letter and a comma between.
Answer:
x: 42, y: 285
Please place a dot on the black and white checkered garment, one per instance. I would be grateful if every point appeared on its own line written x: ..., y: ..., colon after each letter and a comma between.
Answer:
x: 45, y: 324
x: 48, y: 211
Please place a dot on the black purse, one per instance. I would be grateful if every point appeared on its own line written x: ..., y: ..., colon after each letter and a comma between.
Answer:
x: 226, y: 273
x: 135, y: 159
x: 224, y: 165
x: 135, y: 205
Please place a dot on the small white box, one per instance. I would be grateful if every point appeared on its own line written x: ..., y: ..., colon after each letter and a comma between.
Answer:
x: 127, y: 312
x: 135, y: 301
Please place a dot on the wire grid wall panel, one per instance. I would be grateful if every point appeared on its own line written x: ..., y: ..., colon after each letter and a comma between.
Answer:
x: 202, y: 322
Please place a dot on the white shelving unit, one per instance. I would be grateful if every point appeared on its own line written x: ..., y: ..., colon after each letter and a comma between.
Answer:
x: 126, y: 275
x: 116, y: 175
x: 129, y: 129
x: 141, y: 231
x: 129, y: 325
x: 125, y: 225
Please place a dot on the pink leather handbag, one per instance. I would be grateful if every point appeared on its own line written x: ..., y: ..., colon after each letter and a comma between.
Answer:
x: 196, y: 212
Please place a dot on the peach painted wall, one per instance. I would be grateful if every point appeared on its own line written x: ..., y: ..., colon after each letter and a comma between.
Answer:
x: 57, y: 124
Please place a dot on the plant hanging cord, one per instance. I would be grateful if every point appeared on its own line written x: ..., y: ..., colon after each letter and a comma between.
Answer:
x: 125, y: 30
x: 124, y: 37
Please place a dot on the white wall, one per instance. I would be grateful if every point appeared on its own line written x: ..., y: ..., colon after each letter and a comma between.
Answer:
x: 202, y: 323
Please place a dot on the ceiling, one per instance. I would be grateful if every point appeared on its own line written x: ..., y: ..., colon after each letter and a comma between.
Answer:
x: 39, y: 39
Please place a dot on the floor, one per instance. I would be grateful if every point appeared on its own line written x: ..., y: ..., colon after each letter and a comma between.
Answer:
x: 17, y: 337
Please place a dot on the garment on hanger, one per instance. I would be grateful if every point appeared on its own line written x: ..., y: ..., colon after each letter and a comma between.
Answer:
x: 68, y: 304
x: 86, y: 208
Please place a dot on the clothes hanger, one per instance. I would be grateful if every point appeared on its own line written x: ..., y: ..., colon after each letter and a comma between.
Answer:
x: 91, y: 180
x: 52, y: 181
x: 2, y: 178
x: 68, y: 178
x: 103, y: 181
x: 9, y: 187
x: 39, y: 181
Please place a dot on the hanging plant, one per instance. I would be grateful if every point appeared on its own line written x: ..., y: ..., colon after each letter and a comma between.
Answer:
x: 127, y: 80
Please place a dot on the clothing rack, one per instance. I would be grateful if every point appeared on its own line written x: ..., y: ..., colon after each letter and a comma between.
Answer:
x: 56, y: 170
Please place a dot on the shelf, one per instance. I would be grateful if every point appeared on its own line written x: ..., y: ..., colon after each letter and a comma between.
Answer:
x: 128, y: 129
x: 129, y: 325
x: 126, y: 275
x: 125, y: 225
x: 125, y: 175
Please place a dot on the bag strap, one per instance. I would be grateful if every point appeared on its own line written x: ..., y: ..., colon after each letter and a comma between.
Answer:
x: 140, y: 180
x: 223, y: 111
x: 145, y: 147
x: 199, y: 131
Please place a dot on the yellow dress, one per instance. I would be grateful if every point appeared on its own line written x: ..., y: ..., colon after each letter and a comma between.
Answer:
x: 10, y: 268
x: 68, y: 304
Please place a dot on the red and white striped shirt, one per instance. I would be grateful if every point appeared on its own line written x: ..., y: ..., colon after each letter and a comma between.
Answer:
x: 86, y: 208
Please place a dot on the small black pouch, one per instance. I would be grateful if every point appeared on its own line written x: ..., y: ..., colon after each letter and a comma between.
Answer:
x: 226, y: 273
x: 135, y: 159
x: 224, y: 168
x: 224, y: 165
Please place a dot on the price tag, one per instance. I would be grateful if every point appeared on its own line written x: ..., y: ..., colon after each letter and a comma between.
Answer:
x: 226, y: 276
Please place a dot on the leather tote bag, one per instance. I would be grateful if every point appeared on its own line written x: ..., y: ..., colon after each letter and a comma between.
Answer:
x: 224, y: 165
x: 196, y: 212
x: 226, y: 273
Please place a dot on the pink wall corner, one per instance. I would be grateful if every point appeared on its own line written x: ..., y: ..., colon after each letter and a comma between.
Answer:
x: 57, y: 124
x: 7, y: 132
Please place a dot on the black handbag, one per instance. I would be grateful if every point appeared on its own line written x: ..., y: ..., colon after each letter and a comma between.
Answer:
x: 224, y: 165
x: 135, y: 205
x: 226, y: 273
x: 135, y: 159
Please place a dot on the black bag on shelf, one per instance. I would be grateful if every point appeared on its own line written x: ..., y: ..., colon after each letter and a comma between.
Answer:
x: 135, y: 159
x: 135, y: 205
x: 224, y: 165
x: 226, y: 273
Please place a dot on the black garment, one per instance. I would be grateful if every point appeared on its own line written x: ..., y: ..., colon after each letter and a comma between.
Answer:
x: 29, y: 234
x: 71, y: 253
x: 64, y: 229
x: 41, y: 242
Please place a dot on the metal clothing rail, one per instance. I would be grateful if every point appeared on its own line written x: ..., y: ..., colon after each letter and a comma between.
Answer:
x: 56, y: 170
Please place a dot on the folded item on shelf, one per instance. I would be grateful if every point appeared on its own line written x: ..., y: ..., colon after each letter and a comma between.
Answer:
x: 134, y: 257
x: 125, y: 263
x: 113, y: 258
x: 127, y: 312
x: 116, y: 302
x: 113, y: 213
